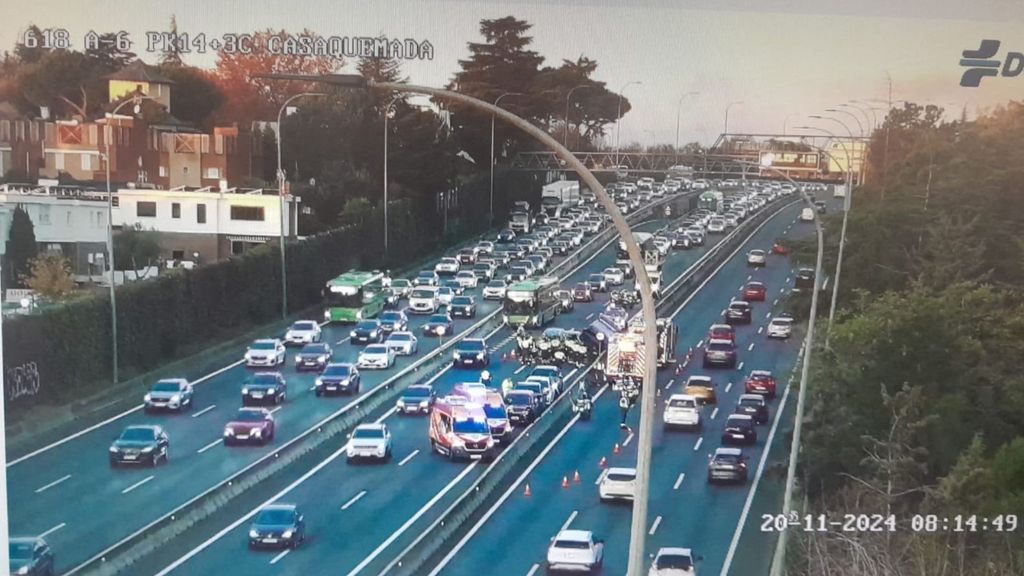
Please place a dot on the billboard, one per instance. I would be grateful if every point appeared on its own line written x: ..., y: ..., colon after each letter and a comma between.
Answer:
x: 790, y: 161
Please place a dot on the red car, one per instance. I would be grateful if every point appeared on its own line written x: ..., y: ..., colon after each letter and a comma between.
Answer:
x: 779, y: 249
x: 760, y: 382
x: 755, y: 291
x: 250, y: 426
x: 722, y: 332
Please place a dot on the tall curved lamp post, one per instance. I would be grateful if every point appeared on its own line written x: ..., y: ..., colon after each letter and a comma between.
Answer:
x: 490, y: 209
x: 679, y: 111
x: 638, y: 530
x: 565, y: 138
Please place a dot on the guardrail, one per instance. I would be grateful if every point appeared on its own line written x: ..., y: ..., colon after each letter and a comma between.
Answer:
x: 312, y: 443
x: 422, y: 552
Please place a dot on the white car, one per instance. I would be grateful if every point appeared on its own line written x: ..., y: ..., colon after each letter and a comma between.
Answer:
x: 780, y: 327
x: 266, y: 352
x: 716, y: 226
x: 614, y: 276
x: 575, y: 550
x: 403, y: 343
x: 485, y: 247
x: 495, y: 290
x: 674, y: 562
x: 423, y: 300
x: 303, y: 332
x: 682, y: 410
x: 445, y: 295
x: 617, y: 484
x: 447, y: 266
x: 376, y: 356
x: 807, y: 215
x: 467, y: 279
x: 757, y: 258
x: 369, y: 441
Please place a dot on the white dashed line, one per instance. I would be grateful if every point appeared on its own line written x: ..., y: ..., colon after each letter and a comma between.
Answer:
x: 520, y: 369
x: 601, y: 476
x: 137, y: 484
x: 275, y: 409
x: 679, y: 481
x: 570, y: 374
x: 699, y: 442
x: 52, y: 530
x: 354, y: 499
x: 701, y: 343
x: 751, y: 347
x: 627, y: 440
x: 533, y: 570
x: 768, y: 315
x: 343, y: 340
x: 670, y: 383
x: 52, y: 484
x: 208, y: 446
x: 204, y: 410
x: 760, y: 329
x: 776, y: 302
x: 728, y: 386
x: 740, y: 367
x: 569, y: 521
x: 740, y: 289
x: 589, y: 316
x: 280, y: 555
x: 654, y: 527
x: 409, y: 457
x: 714, y: 413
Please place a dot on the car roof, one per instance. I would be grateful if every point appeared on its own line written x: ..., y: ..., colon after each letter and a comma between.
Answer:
x: 344, y: 364
x: 740, y: 417
x: 755, y: 283
x: 265, y: 340
x: 370, y: 426
x: 576, y: 535
x: 760, y: 373
x: 699, y: 376
x: 728, y: 452
x: 622, y: 471
x: 287, y: 507
x: 676, y: 551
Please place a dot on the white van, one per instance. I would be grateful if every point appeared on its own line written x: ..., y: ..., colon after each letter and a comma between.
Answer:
x: 807, y: 215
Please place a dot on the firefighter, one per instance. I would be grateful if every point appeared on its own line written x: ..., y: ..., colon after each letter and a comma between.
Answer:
x: 485, y: 378
x: 506, y: 386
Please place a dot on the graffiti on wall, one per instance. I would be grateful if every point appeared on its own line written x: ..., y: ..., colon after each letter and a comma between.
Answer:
x: 22, y: 381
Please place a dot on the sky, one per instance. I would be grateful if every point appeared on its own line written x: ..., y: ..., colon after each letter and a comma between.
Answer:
x: 784, y: 59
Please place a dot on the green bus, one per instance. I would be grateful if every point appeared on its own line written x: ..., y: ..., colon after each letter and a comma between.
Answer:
x: 531, y: 303
x: 354, y: 296
x: 710, y: 200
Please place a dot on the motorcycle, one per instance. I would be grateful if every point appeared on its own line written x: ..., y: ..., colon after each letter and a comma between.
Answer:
x: 583, y: 407
x: 625, y: 298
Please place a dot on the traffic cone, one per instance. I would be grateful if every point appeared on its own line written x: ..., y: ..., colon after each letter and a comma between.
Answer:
x: 616, y: 450
x: 602, y: 463
x: 565, y: 481
x: 576, y: 477
x: 527, y: 492
x: 512, y: 354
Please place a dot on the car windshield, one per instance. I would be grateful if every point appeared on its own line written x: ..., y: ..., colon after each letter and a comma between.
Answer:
x: 596, y: 277
x: 276, y: 517
x: 263, y: 345
x: 417, y: 392
x: 782, y: 321
x: 314, y: 349
x: 673, y: 561
x: 496, y: 284
x: 376, y: 349
x: 165, y: 387
x: 391, y: 316
x: 482, y: 266
x: 720, y: 346
x: 400, y: 338
x: 494, y: 411
x: 462, y: 301
x: 20, y: 550
x: 737, y: 423
x: 470, y: 426
x: 368, y: 433
x: 304, y: 326
x: 264, y: 379
x: 519, y: 399
x: 337, y: 371
x: 572, y: 545
x: 471, y: 345
x: 444, y: 291
x: 401, y: 283
x: 681, y: 403
x: 422, y: 293
x: 438, y: 319
x: 249, y: 416
x: 581, y: 286
x: 699, y: 382
x: 367, y: 325
x: 751, y: 402
x: 138, y: 434
x: 621, y: 477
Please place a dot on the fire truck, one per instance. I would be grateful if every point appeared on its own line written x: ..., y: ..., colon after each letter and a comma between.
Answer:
x: 626, y: 356
x: 458, y: 429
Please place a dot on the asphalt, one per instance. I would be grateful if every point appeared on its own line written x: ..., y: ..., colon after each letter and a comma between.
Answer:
x: 683, y: 509
x: 396, y: 500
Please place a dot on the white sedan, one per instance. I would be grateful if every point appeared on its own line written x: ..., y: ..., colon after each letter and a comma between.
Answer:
x: 403, y: 343
x: 447, y: 266
x: 756, y: 258
x: 267, y: 352
x: 614, y: 276
x: 303, y: 332
x: 467, y: 279
x: 376, y: 356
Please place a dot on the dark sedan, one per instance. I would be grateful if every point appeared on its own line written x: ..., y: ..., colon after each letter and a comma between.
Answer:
x: 394, y: 321
x: 338, y: 378
x: 471, y: 352
x: 277, y: 526
x: 416, y: 399
x: 269, y: 387
x: 463, y: 307
x: 30, y: 556
x: 581, y: 292
x: 727, y: 465
x: 597, y: 283
x: 439, y: 325
x: 738, y: 312
x: 140, y: 445
x: 739, y: 429
x: 366, y: 332
x: 753, y: 405
x: 250, y: 425
x: 313, y: 357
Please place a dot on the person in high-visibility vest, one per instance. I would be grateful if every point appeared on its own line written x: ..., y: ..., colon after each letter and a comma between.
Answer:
x: 506, y: 386
x: 624, y: 404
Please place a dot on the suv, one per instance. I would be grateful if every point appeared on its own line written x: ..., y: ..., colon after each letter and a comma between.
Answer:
x: 720, y: 353
x: 617, y: 484
x: 575, y: 550
x: 264, y: 387
x: 738, y: 312
x: 523, y: 406
x: 426, y: 278
x: 674, y: 562
x: 140, y: 444
x: 267, y: 352
x: 462, y: 307
x: 727, y: 465
x: 337, y: 378
x: 682, y: 410
x: 739, y: 429
x: 760, y: 382
x: 168, y: 394
x: 471, y: 352
x: 423, y: 300
x: 367, y: 332
x: 755, y: 406
x: 447, y: 267
x: 369, y: 441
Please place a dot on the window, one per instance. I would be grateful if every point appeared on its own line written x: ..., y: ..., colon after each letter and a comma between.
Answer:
x: 177, y: 254
x: 213, y: 173
x: 247, y: 213
x: 145, y: 209
x: 175, y: 210
x: 58, y: 159
x: 163, y: 171
x: 201, y: 213
x: 86, y: 161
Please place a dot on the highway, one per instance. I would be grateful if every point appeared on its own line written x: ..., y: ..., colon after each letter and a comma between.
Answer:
x: 359, y: 516
x: 684, y: 510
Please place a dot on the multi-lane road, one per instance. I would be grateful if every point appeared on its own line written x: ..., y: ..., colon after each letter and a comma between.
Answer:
x: 359, y: 517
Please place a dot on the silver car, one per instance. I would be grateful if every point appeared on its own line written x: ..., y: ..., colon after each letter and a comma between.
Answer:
x: 403, y: 343
x: 169, y: 394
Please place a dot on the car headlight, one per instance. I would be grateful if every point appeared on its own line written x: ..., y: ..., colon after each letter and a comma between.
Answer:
x: 352, y: 334
x: 359, y: 315
x: 401, y: 403
x: 458, y: 443
x: 113, y: 450
x: 327, y: 314
x: 298, y: 358
x: 287, y: 534
x: 322, y: 358
x: 147, y: 398
x: 480, y: 355
x: 490, y: 442
x: 381, y: 450
x: 23, y: 570
x: 455, y: 355
x: 147, y: 449
x: 176, y: 398
x: 424, y: 403
x: 254, y: 534
x: 229, y: 431
x: 439, y: 330
x: 373, y: 334
x: 257, y: 432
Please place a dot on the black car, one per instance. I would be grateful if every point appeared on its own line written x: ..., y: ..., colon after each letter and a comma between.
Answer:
x: 416, y: 399
x: 439, y: 325
x: 739, y: 429
x: 313, y: 357
x: 755, y: 406
x: 277, y: 526
x: 394, y: 321
x: 467, y: 256
x: 483, y: 271
x: 264, y: 387
x: 516, y: 274
x: 338, y: 378
x: 142, y: 444
x: 463, y: 307
x: 560, y: 247
x: 681, y: 241
x: 523, y: 406
x: 471, y: 353
x: 30, y: 556
x: 506, y: 235
x: 366, y: 332
x: 582, y: 292
x: 727, y: 465
x: 804, y: 279
x: 821, y: 206
x: 720, y: 353
x: 738, y: 312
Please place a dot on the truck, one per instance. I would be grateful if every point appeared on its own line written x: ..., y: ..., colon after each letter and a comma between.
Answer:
x: 626, y: 357
x: 520, y: 221
x: 565, y: 192
x: 839, y: 190
x: 712, y: 200
x: 622, y: 256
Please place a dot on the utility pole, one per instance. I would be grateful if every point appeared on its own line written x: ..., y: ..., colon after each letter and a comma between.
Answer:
x: 885, y: 153
x: 5, y: 559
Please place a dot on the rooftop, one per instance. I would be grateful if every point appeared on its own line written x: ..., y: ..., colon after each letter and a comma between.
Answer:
x: 139, y: 71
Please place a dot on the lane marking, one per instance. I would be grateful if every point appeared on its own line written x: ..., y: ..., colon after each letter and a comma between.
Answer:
x: 760, y: 329
x: 740, y: 366
x: 116, y: 417
x: 533, y: 570
x: 670, y: 383
x: 601, y: 476
x: 409, y: 457
x: 52, y: 484
x: 52, y: 530
x: 275, y: 409
x: 572, y: 517
x: 740, y: 289
x: 768, y: 315
x: 210, y: 445
x: 728, y: 386
x: 628, y: 440
x: 204, y: 410
x: 699, y: 442
x: 591, y: 315
x: 751, y: 347
x: 776, y: 302
x: 354, y: 499
x: 520, y: 369
x: 714, y: 413
x: 343, y: 340
x: 679, y: 481
x: 701, y: 343
x: 280, y: 555
x: 570, y: 374
x: 137, y: 484
x: 654, y: 527
x: 749, y: 276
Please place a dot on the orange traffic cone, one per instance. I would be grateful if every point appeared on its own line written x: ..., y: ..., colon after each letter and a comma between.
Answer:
x: 565, y: 481
x: 602, y: 463
x: 679, y: 368
x: 527, y: 492
x: 576, y: 477
x: 616, y: 450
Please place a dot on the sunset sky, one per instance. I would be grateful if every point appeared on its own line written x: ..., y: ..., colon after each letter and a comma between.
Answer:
x: 787, y: 58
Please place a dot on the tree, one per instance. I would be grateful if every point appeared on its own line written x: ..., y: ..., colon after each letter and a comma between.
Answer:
x: 50, y: 276
x: 196, y: 95
x: 106, y: 56
x: 62, y: 80
x: 135, y: 248
x: 590, y: 108
x: 171, y: 55
x: 21, y: 245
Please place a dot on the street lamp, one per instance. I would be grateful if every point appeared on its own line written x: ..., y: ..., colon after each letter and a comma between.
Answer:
x: 730, y: 105
x: 618, y: 120
x: 490, y: 213
x: 565, y: 139
x: 280, y: 195
x: 868, y: 126
x: 387, y: 114
x: 107, y: 137
x: 679, y: 110
x: 639, y: 523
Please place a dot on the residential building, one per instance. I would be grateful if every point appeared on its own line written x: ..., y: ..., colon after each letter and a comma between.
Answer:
x: 139, y: 78
x: 21, y: 142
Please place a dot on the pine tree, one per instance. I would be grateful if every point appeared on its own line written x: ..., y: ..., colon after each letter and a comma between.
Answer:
x: 172, y: 53
x: 21, y: 246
